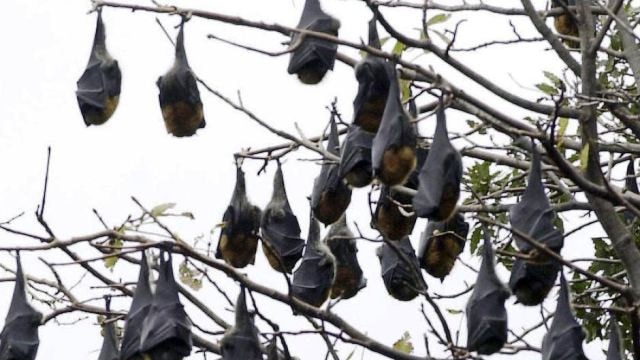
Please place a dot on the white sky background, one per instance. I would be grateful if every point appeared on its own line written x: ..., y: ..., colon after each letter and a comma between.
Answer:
x: 46, y: 46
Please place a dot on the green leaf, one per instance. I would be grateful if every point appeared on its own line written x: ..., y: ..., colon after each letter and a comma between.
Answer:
x: 405, y: 88
x: 547, y: 89
x: 404, y: 344
x: 584, y: 157
x: 398, y: 48
x: 188, y: 276
x: 116, y: 245
x: 438, y: 19
x: 562, y: 129
x: 554, y: 79
x: 454, y: 311
x: 159, y: 210
x: 475, y: 239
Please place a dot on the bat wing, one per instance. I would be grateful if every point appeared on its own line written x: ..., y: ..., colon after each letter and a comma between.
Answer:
x: 631, y: 183
x: 398, y: 278
x: 109, y: 350
x: 531, y: 282
x: 91, y: 88
x: 283, y: 234
x: 137, y: 312
x: 533, y: 215
x: 241, y: 341
x: 373, y: 89
x: 616, y: 346
x: 439, y: 178
x: 356, y: 154
x: 343, y: 246
x: 166, y: 324
x: 310, y: 49
x: 19, y: 337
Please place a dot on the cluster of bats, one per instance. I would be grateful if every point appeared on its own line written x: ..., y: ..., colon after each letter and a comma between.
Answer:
x: 381, y: 146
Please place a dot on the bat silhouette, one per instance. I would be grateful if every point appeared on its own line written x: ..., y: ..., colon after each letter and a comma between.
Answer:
x: 355, y: 162
x: 399, y: 279
x: 166, y: 331
x: 239, y: 236
x: 440, y: 245
x: 98, y: 90
x: 130, y: 348
x: 19, y: 337
x: 313, y: 278
x: 486, y: 315
x: 533, y: 215
x: 531, y: 282
x: 342, y: 243
x: 241, y: 341
x: 312, y: 57
x: 616, y: 346
x: 331, y: 196
x: 179, y: 96
x: 109, y: 350
x: 565, y: 24
x: 393, y: 152
x: 439, y: 179
x: 373, y: 87
x: 563, y: 340
x: 281, y: 242
x: 632, y: 186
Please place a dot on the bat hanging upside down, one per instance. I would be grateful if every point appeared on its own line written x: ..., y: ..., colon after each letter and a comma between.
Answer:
x: 565, y: 23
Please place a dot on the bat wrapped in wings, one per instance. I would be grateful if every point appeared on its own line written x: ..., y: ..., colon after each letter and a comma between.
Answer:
x: 241, y: 222
x: 531, y: 282
x: 342, y: 243
x: 440, y: 245
x: 311, y: 57
x: 331, y: 196
x: 98, y: 90
x: 109, y: 350
x: 241, y: 341
x: 565, y: 23
x: 19, y: 338
x: 615, y: 351
x: 439, y: 179
x: 166, y: 331
x: 486, y: 315
x: 563, y: 340
x: 179, y: 96
x: 130, y: 348
x: 373, y: 87
x: 393, y: 152
x: 355, y: 159
x: 281, y: 242
x: 399, y: 276
x: 313, y: 278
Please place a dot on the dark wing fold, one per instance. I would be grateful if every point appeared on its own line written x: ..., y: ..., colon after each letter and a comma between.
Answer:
x: 349, y: 278
x: 355, y: 160
x: 109, y: 350
x: 531, y: 282
x: 615, y: 350
x: 241, y: 342
x: 399, y: 278
x: 137, y: 313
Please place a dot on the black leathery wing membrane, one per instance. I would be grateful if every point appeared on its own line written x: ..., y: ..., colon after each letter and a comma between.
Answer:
x: 331, y: 196
x: 179, y: 96
x: 241, y: 341
x: 440, y: 245
x: 280, y: 229
x: 563, y: 340
x: 355, y: 160
x: 533, y: 215
x: 393, y: 152
x: 19, y: 338
x: 342, y: 243
x: 98, y: 89
x: 109, y: 350
x: 631, y: 183
x: 399, y: 279
x: 531, y: 282
x: 615, y: 351
x: 166, y: 331
x: 439, y: 179
x: 313, y: 278
x: 311, y: 57
x: 241, y: 222
x: 486, y: 314
x: 373, y: 87
x: 138, y: 311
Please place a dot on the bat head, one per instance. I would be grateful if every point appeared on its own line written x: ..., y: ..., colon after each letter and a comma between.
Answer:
x: 531, y: 282
x: 349, y: 277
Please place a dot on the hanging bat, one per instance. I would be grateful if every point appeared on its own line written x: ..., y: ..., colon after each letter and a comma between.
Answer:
x: 533, y: 215
x: 631, y: 183
x: 98, y: 90
x: 331, y: 196
x: 389, y: 218
x: 281, y: 242
x: 439, y: 179
x: 19, y: 338
x: 313, y: 278
x: 311, y: 57
x: 179, y: 96
x: 564, y: 338
x: 531, y: 282
x: 109, y: 350
x: 565, y: 24
x: 393, y: 152
x: 166, y: 331
x: 239, y: 236
x: 130, y: 348
x: 241, y: 341
x: 399, y: 279
x: 440, y: 245
x: 355, y: 162
x: 373, y: 87
x: 342, y: 243
x: 616, y: 346
x: 486, y: 315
